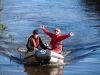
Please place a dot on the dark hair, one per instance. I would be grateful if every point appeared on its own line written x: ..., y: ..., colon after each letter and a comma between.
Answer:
x: 35, y: 31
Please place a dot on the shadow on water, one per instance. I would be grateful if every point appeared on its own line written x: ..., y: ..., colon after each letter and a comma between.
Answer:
x: 92, y: 5
x: 0, y: 8
x: 93, y: 9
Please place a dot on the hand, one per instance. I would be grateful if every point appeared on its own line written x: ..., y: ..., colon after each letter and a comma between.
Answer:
x: 41, y: 26
x: 49, y: 48
x: 35, y: 49
x: 71, y: 34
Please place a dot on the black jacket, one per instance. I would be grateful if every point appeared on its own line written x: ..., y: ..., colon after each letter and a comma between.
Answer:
x: 30, y: 45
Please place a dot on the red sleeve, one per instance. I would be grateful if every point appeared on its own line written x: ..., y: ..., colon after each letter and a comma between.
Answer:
x: 47, y: 32
x: 63, y: 37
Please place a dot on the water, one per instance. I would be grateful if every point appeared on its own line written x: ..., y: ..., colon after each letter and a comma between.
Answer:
x: 78, y: 16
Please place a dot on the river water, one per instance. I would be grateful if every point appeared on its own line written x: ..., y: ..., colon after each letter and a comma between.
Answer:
x: 78, y: 16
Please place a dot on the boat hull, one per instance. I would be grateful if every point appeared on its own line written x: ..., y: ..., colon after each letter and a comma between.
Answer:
x: 43, y: 56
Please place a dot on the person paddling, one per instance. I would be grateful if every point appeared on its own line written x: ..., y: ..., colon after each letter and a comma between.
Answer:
x: 56, y: 39
x: 34, y: 41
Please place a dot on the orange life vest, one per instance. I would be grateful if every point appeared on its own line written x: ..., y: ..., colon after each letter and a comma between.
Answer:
x: 35, y: 41
x: 60, y: 45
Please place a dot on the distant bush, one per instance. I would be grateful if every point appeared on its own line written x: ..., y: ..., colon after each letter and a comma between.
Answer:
x: 3, y: 27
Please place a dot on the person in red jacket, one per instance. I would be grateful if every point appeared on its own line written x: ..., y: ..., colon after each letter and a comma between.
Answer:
x: 56, y: 39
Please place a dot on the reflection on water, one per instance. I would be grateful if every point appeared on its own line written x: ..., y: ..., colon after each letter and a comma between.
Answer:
x: 0, y: 11
x: 92, y: 5
x: 43, y: 70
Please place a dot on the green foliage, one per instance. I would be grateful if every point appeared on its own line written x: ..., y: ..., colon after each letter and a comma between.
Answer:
x: 10, y: 36
x: 2, y: 26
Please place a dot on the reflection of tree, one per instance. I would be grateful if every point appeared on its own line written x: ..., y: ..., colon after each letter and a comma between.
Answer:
x: 0, y: 6
x: 98, y: 5
x: 93, y: 5
x: 43, y: 70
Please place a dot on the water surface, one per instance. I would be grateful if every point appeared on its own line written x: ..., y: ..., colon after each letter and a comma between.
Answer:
x: 78, y: 16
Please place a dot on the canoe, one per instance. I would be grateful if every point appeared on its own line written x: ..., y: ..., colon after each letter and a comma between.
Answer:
x: 43, y: 56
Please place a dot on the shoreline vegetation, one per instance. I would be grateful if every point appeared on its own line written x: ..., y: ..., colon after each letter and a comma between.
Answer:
x: 4, y: 27
x: 2, y: 33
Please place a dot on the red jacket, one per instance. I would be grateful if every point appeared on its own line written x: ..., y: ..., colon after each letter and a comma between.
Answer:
x: 56, y: 40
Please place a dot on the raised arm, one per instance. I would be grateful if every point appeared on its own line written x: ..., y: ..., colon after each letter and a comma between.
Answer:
x: 65, y: 36
x: 46, y: 31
